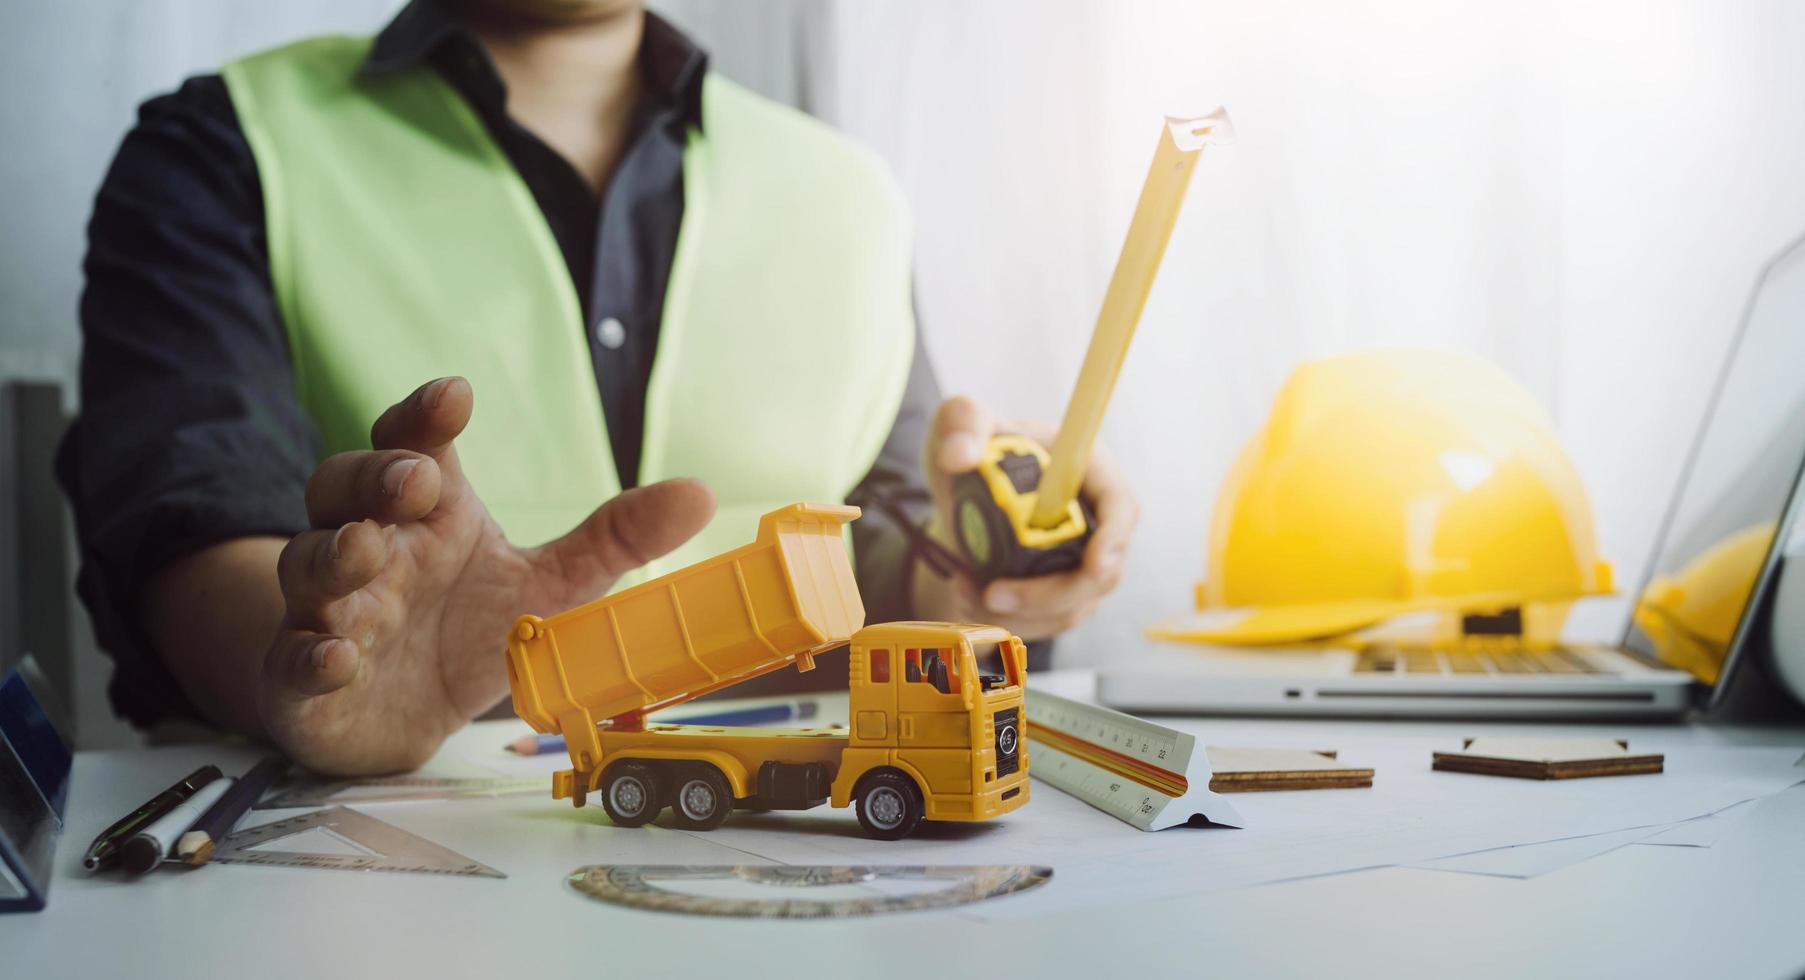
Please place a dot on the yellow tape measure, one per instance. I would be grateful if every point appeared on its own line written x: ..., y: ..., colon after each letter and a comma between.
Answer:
x: 1019, y: 513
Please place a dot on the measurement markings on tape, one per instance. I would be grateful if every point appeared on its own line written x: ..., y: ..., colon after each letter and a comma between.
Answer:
x: 386, y: 847
x: 387, y: 789
x: 1147, y: 775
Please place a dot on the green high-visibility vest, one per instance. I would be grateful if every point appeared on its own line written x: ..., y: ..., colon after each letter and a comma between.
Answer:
x: 403, y: 247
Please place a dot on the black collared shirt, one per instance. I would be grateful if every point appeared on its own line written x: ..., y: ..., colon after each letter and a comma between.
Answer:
x: 191, y: 432
x: 618, y: 245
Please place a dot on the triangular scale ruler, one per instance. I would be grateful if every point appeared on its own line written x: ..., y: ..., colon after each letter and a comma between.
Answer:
x: 1146, y: 775
x: 386, y: 789
x: 389, y: 848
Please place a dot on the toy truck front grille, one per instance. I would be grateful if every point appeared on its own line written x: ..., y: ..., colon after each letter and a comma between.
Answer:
x: 1008, y: 742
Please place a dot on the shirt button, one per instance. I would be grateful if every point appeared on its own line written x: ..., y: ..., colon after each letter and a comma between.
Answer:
x: 611, y: 333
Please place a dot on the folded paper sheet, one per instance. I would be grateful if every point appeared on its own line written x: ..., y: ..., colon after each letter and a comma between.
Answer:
x: 1531, y: 860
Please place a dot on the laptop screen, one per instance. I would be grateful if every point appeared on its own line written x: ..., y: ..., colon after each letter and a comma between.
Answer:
x: 1716, y: 548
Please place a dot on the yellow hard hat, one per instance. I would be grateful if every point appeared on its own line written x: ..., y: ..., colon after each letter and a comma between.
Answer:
x: 1691, y: 615
x: 1390, y: 482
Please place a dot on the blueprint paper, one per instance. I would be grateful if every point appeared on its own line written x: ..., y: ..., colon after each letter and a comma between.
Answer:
x: 1411, y: 815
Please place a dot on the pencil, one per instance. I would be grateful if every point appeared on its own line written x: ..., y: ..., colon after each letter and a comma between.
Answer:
x: 196, y: 846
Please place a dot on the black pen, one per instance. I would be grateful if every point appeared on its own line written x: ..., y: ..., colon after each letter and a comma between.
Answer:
x: 104, y: 852
x: 196, y: 846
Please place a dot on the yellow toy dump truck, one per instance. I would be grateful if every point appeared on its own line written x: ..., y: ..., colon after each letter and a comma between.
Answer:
x: 931, y: 736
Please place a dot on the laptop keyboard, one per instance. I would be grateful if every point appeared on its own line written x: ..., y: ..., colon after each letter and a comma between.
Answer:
x: 1404, y: 660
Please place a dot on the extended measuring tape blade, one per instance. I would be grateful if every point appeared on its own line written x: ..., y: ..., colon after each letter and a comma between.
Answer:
x: 1175, y: 156
x: 1147, y: 775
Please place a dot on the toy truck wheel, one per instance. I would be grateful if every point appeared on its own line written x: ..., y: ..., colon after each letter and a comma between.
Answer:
x: 702, y: 799
x: 630, y: 794
x: 888, y: 803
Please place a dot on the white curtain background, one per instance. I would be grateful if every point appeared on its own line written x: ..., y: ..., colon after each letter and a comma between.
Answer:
x: 1580, y: 192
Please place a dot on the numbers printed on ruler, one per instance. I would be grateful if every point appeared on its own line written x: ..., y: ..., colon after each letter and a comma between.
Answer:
x: 1124, y: 799
x: 1123, y: 733
x: 1145, y: 774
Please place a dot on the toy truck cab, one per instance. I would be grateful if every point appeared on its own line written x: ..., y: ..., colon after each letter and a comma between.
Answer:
x: 933, y: 735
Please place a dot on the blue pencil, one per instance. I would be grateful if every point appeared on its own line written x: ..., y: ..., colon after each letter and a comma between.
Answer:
x: 737, y: 718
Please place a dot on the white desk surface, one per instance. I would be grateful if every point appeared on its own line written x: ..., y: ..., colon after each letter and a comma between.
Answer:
x: 1731, y: 910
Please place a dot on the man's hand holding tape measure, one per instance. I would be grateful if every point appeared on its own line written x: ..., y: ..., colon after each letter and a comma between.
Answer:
x: 1033, y: 524
x: 1032, y: 604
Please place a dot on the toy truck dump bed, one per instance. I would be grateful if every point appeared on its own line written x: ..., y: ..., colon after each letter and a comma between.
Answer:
x: 785, y: 597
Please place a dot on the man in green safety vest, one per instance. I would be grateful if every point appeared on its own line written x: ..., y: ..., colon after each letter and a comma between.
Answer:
x: 373, y: 325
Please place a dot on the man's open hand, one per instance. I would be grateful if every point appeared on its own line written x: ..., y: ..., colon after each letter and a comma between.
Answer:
x: 398, y: 603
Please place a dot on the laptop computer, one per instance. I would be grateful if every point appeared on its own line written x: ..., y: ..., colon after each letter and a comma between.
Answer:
x: 1738, y: 490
